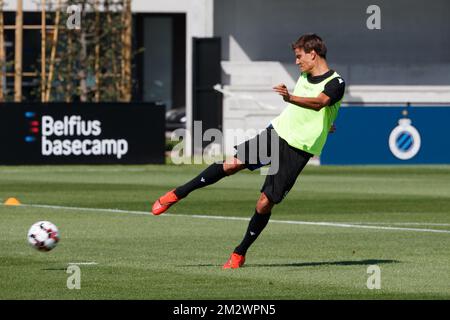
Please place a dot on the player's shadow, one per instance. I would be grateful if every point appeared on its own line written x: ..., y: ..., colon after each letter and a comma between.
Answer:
x: 326, y: 263
x: 55, y: 269
x: 309, y: 264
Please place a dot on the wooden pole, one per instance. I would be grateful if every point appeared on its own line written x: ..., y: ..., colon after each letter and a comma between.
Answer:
x: 18, y: 53
x: 122, y: 52
x: 53, y: 52
x: 27, y: 27
x: 82, y: 72
x: 2, y: 54
x: 126, y: 71
x: 69, y: 79
x: 97, y: 53
x: 116, y: 83
x: 43, y: 49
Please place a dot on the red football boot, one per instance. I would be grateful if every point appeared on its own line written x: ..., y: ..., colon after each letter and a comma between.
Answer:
x: 234, y: 262
x: 163, y: 203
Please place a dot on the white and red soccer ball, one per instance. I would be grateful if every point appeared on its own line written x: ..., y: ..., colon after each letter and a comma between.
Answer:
x: 43, y: 236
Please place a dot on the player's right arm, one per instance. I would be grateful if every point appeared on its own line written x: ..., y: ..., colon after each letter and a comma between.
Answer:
x: 332, y: 93
x: 322, y: 100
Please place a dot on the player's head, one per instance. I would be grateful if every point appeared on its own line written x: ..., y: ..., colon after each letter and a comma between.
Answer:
x: 309, y: 50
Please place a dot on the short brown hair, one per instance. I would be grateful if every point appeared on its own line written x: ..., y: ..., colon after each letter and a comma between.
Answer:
x: 309, y: 42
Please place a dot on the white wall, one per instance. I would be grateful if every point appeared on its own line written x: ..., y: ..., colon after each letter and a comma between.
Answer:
x: 411, y: 47
x: 407, y: 60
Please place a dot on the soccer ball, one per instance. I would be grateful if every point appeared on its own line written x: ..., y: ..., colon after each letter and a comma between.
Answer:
x: 43, y: 236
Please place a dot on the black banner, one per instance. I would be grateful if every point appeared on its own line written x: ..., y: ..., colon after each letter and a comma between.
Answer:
x: 82, y: 133
x: 229, y: 309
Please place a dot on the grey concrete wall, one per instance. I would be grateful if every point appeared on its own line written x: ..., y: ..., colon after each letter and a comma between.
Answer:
x: 412, y: 48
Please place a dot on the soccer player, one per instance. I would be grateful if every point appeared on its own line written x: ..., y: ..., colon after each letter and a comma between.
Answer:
x: 301, y: 129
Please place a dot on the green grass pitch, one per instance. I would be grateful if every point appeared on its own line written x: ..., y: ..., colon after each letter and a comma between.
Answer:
x: 179, y: 255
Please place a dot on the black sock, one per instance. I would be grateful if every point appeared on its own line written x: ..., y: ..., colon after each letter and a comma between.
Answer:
x: 257, y: 223
x: 210, y: 175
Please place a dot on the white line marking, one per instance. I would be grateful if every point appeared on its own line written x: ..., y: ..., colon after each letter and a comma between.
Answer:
x: 330, y: 224
x: 83, y: 209
x: 83, y: 263
x: 327, y: 224
x: 405, y: 223
x: 72, y: 170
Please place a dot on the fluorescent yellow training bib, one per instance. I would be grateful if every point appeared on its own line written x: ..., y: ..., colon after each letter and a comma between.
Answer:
x: 302, y: 128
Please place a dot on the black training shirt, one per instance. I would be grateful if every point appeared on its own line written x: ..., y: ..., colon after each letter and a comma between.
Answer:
x: 334, y: 89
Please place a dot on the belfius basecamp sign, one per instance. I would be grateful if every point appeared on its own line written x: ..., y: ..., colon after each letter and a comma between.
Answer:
x: 82, y: 133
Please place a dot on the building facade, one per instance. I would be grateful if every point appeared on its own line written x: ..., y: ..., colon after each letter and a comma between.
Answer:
x: 406, y: 60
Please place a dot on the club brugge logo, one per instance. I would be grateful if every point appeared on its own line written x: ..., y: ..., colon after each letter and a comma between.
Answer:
x: 404, y: 140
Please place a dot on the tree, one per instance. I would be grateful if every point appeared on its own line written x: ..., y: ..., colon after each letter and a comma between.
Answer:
x: 92, y: 63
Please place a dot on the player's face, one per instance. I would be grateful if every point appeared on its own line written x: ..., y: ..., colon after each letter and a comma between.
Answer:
x: 304, y: 60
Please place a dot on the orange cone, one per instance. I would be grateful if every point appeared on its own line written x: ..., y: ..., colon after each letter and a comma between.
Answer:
x: 12, y: 202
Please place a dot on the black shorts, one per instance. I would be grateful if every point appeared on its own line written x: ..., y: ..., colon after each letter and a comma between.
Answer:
x: 291, y: 162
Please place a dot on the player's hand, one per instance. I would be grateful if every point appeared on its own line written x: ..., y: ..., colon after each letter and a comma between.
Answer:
x: 332, y: 128
x: 282, y: 90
